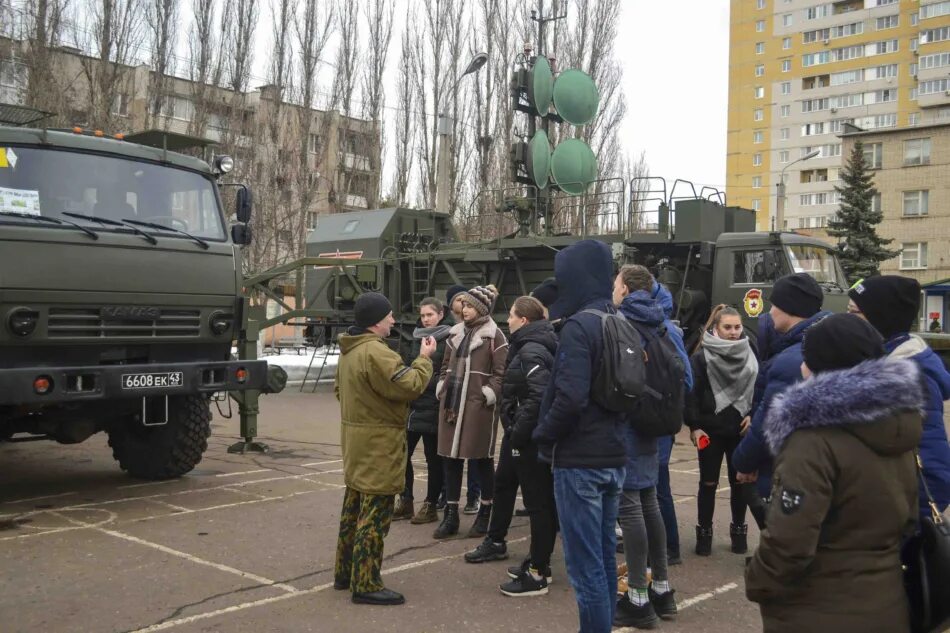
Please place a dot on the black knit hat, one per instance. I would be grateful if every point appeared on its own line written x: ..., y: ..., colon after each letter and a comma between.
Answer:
x: 890, y: 302
x: 798, y: 295
x: 840, y: 341
x: 482, y: 298
x: 546, y: 292
x: 370, y: 309
x: 451, y: 292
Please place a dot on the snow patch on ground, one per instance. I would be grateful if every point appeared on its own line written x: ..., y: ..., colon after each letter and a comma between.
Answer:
x: 296, y: 364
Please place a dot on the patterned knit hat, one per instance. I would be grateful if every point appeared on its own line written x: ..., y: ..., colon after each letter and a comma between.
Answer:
x: 482, y: 298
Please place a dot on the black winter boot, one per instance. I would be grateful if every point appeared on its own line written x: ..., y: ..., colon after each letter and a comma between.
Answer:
x: 703, y: 541
x: 480, y: 526
x: 450, y: 522
x: 738, y: 534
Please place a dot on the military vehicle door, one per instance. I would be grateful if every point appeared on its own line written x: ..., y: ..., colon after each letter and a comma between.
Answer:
x: 744, y: 276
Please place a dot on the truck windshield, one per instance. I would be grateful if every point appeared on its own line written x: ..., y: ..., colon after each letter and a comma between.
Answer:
x: 818, y: 262
x: 49, y: 182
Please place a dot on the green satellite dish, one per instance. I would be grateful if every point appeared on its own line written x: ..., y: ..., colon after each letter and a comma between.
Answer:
x: 539, y: 158
x: 540, y: 85
x: 573, y: 166
x: 575, y: 96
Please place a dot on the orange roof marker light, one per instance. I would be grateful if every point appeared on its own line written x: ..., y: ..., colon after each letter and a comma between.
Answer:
x: 77, y: 130
x: 99, y: 133
x: 120, y: 136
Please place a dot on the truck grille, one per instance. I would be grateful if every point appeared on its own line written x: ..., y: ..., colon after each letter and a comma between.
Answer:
x: 88, y: 323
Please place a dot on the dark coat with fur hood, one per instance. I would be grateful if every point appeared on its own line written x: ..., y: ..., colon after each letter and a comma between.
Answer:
x: 844, y: 494
x: 471, y: 434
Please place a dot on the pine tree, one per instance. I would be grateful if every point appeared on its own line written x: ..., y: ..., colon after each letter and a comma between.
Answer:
x: 862, y: 250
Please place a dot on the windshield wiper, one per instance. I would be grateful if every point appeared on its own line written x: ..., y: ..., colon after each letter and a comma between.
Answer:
x: 108, y: 222
x: 43, y: 218
x: 160, y: 227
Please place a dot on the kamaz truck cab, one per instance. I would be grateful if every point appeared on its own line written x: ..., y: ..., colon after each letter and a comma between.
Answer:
x: 120, y: 294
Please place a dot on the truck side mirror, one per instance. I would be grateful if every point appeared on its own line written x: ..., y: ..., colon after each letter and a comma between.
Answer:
x: 243, y: 203
x: 241, y: 234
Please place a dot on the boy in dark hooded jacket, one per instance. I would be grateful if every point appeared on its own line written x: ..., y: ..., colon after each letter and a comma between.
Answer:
x: 579, y: 438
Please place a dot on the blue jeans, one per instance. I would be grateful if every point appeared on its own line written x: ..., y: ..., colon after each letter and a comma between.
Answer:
x: 665, y: 496
x: 588, y: 502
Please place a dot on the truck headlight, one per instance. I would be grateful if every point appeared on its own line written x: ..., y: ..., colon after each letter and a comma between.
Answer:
x: 22, y: 321
x: 224, y: 164
x: 220, y: 322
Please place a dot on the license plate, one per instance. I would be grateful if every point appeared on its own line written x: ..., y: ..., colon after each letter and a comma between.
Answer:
x: 152, y: 381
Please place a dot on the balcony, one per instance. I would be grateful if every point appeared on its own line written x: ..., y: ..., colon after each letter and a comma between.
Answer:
x: 355, y: 162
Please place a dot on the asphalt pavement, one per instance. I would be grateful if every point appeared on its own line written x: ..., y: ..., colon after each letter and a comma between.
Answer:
x: 245, y: 543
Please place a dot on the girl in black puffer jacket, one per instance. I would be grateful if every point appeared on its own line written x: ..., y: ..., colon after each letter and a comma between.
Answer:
x: 532, y: 346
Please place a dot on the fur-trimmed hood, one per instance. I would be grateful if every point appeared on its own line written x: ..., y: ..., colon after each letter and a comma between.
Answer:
x: 868, y: 398
x: 486, y: 330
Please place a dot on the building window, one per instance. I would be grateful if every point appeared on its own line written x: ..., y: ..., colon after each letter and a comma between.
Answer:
x: 786, y: 87
x: 757, y: 114
x: 759, y: 92
x: 756, y: 160
x: 917, y: 151
x: 783, y: 156
x: 934, y: 10
x: 787, y: 19
x: 786, y: 110
x: 120, y: 105
x: 916, y: 203
x: 786, y: 43
x: 887, y: 22
x: 313, y: 143
x: 786, y: 65
x: 759, y: 70
x: 759, y: 26
x: 913, y: 118
x: 912, y: 95
x: 759, y: 4
x: 914, y: 43
x: 757, y: 136
x: 783, y: 134
x: 759, y: 48
x: 756, y: 204
x: 935, y: 35
x: 913, y: 69
x: 873, y: 154
x: 914, y: 19
x: 876, y: 203
x: 913, y: 255
x: 756, y: 182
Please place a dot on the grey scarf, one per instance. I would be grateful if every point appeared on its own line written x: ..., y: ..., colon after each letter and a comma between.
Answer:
x: 439, y: 332
x: 732, y: 369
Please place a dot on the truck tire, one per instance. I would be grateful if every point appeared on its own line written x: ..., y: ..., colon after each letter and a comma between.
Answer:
x: 166, y: 451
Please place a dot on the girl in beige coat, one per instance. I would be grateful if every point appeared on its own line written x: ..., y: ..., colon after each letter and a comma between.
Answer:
x: 469, y: 388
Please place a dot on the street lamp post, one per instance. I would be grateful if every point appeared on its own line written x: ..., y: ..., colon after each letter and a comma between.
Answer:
x: 444, y: 130
x: 779, y: 222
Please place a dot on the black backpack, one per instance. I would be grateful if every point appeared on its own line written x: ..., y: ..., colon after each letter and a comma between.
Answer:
x: 660, y: 409
x: 620, y: 381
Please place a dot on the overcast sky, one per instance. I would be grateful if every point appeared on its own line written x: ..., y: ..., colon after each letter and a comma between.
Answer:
x: 676, y: 78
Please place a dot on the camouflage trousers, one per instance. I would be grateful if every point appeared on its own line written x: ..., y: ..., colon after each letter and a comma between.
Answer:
x: 364, y: 523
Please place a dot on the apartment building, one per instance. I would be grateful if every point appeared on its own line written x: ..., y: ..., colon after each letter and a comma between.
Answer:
x: 801, y: 69
x: 910, y: 173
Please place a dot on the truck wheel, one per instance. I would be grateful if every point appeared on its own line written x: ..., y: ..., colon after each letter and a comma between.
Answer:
x: 166, y: 451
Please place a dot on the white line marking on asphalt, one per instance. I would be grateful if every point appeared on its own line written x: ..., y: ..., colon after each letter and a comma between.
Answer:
x: 169, y: 505
x: 185, y: 555
x: 305, y: 592
x: 329, y: 461
x: 246, y: 472
x: 148, y: 483
x: 62, y: 494
x: 685, y: 604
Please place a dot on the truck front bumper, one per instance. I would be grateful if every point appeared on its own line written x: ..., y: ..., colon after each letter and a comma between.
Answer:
x: 50, y: 385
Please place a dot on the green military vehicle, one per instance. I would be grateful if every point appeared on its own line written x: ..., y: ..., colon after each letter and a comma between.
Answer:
x: 120, y: 294
x: 704, y: 252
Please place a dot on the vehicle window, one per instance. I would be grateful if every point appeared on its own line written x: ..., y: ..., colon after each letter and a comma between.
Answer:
x: 756, y: 267
x: 50, y: 182
x: 818, y: 262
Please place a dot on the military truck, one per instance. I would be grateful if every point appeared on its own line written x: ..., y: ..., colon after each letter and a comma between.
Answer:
x: 120, y: 293
x: 705, y: 252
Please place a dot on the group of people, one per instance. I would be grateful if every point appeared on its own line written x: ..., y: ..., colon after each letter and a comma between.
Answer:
x: 818, y: 418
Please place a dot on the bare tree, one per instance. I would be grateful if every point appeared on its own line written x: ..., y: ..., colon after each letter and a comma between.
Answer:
x: 206, y: 68
x: 43, y: 26
x: 405, y: 136
x: 379, y: 20
x: 239, y: 18
x: 342, y: 98
x: 116, y: 31
x: 162, y: 19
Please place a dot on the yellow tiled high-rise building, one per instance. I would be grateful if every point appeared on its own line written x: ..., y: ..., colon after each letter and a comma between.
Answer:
x: 800, y: 69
